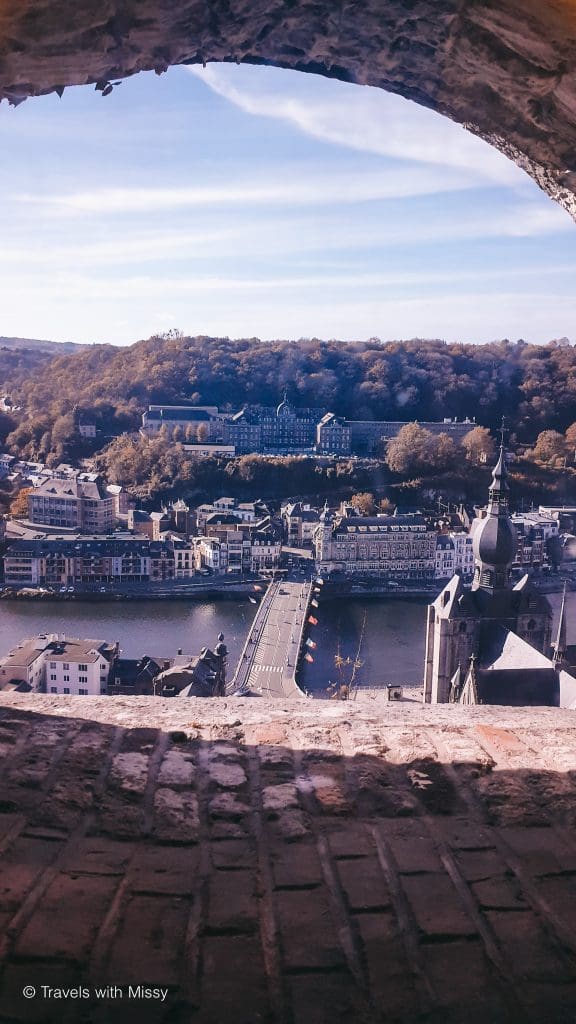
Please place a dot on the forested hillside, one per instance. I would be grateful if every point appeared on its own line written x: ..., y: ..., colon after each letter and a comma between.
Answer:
x: 535, y: 386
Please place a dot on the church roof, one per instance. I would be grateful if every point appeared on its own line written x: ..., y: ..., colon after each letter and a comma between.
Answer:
x: 512, y: 672
x: 538, y: 687
x: 501, y: 648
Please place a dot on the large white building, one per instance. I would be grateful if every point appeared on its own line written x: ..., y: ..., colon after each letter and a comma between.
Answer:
x: 59, y: 664
x: 395, y: 548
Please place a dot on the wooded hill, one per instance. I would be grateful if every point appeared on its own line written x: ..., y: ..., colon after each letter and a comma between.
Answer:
x: 533, y: 385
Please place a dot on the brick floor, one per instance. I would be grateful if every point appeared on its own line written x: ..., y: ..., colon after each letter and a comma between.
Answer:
x: 238, y: 862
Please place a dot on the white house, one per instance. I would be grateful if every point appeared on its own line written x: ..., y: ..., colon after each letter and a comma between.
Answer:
x: 59, y: 664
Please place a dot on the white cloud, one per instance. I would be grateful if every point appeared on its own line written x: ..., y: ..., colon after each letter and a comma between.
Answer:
x: 301, y: 188
x: 362, y: 118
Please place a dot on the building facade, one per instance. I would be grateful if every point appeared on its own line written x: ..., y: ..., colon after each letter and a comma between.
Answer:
x: 60, y: 665
x: 80, y: 502
x: 59, y: 563
x: 286, y: 428
x: 333, y: 436
x: 396, y: 548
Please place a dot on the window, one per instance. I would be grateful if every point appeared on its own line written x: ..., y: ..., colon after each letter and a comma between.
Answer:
x: 82, y: 668
x: 53, y: 677
x: 82, y: 679
x: 52, y: 664
x: 83, y: 692
x: 53, y: 689
x: 66, y: 689
x: 65, y: 666
x: 66, y: 680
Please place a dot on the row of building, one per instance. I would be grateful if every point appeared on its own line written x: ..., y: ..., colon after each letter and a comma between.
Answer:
x: 259, y: 428
x: 395, y: 548
x: 59, y: 562
x: 68, y: 666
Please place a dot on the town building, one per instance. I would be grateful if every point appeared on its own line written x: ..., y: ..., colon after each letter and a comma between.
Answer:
x: 184, y: 559
x: 234, y: 548
x: 538, y: 540
x: 206, y: 430
x: 87, y: 429
x: 454, y: 553
x: 140, y: 522
x: 368, y: 437
x: 565, y: 516
x: 242, y: 512
x: 300, y: 522
x: 208, y: 450
x: 492, y: 644
x: 390, y: 548
x: 194, y: 423
x: 136, y: 676
x: 59, y: 664
x: 201, y: 676
x: 122, y: 501
x: 183, y: 518
x: 333, y: 436
x: 66, y: 562
x: 80, y: 502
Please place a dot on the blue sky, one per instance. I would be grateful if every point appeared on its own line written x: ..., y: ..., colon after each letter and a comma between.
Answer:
x: 248, y: 201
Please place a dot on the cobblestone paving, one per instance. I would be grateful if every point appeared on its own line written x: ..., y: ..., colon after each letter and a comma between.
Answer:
x: 286, y: 863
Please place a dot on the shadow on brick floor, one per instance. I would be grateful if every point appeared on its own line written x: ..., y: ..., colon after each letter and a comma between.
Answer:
x: 152, y: 877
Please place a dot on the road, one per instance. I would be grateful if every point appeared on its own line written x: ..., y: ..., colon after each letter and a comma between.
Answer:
x: 269, y: 660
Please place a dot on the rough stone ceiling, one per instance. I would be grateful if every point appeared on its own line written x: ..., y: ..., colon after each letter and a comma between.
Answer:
x: 504, y: 68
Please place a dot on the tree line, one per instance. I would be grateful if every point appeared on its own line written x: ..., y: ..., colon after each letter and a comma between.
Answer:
x: 535, y: 385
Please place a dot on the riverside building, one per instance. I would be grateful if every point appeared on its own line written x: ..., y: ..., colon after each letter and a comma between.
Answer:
x: 399, y: 548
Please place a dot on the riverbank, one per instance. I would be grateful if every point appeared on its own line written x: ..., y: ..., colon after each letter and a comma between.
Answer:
x: 221, y: 589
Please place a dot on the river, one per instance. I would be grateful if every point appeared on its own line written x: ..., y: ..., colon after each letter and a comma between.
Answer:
x: 386, y: 637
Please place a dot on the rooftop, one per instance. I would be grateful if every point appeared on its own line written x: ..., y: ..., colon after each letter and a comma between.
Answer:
x: 302, y: 862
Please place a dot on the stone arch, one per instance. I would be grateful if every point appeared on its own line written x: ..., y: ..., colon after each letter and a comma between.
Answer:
x: 505, y: 69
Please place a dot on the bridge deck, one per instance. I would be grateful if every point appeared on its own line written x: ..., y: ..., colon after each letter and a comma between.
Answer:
x: 268, y: 662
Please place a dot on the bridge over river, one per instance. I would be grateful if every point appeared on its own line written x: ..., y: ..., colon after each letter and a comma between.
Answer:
x: 272, y: 651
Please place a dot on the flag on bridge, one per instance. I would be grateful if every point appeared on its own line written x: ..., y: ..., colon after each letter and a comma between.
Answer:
x: 312, y: 620
x: 314, y: 603
x: 311, y: 643
x: 308, y: 657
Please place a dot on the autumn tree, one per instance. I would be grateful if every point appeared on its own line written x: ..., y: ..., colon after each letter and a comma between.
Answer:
x: 550, y: 446
x: 442, y: 452
x: 19, y: 504
x: 409, y: 451
x: 364, y: 502
x: 571, y: 442
x: 479, y: 446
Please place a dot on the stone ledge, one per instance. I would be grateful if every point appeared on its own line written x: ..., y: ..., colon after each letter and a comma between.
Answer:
x: 287, y: 862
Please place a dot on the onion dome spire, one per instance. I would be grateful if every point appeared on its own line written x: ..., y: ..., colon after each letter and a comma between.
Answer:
x: 495, y: 540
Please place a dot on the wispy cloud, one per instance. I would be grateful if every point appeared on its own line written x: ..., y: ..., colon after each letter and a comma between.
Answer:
x: 299, y: 189
x: 132, y: 287
x: 361, y: 118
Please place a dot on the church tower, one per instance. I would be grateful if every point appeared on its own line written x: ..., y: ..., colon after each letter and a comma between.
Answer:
x: 491, y: 644
x: 494, y: 538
